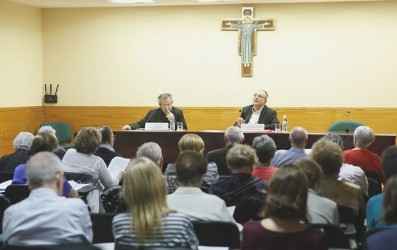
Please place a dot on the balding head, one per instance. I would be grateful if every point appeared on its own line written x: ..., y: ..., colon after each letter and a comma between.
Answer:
x: 298, y: 137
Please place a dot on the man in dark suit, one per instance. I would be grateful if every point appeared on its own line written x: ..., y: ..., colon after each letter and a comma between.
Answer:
x: 105, y: 149
x: 233, y: 135
x: 258, y: 112
x: 166, y: 113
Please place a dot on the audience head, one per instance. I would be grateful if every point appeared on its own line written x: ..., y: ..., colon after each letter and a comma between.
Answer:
x: 390, y: 201
x: 44, y: 142
x: 152, y: 151
x: 144, y: 191
x: 45, y: 169
x: 165, y: 102
x: 191, y: 142
x: 23, y: 141
x: 298, y: 137
x: 107, y: 135
x: 287, y: 195
x: 190, y: 168
x: 363, y: 137
x: 335, y: 138
x: 46, y: 129
x: 234, y: 134
x: 87, y: 140
x: 265, y: 148
x: 311, y: 169
x: 389, y: 161
x: 241, y: 158
x: 328, y: 155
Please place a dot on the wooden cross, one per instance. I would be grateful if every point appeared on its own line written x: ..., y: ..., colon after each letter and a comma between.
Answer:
x: 247, y: 27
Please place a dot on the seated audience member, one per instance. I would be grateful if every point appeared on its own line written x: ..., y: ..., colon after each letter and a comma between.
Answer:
x: 166, y: 113
x: 319, y: 209
x: 150, y: 223
x: 241, y: 187
x: 59, y: 151
x: 298, y: 139
x: 347, y: 196
x: 258, y: 112
x: 105, y: 149
x: 43, y: 142
x: 233, y: 135
x: 153, y: 151
x: 46, y: 218
x: 386, y: 238
x: 265, y: 149
x: 285, y: 222
x: 348, y: 172
x: 189, y: 199
x: 81, y: 159
x: 374, y: 205
x: 21, y: 143
x: 193, y: 142
x: 360, y: 156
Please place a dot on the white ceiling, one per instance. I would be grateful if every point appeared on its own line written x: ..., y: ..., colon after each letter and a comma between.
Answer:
x: 108, y: 3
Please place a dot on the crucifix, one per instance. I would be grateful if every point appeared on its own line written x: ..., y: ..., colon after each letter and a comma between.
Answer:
x: 247, y: 27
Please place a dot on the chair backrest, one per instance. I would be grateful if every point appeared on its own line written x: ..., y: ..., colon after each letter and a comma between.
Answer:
x: 16, y: 192
x: 63, y: 131
x: 374, y: 187
x: 4, y: 204
x: 344, y: 126
x: 102, y: 227
x: 78, y: 246
x: 246, y: 211
x: 334, y: 234
x: 374, y: 183
x: 6, y: 176
x: 217, y: 234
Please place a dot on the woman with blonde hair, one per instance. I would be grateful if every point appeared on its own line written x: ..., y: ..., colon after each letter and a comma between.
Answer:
x: 285, y: 216
x: 150, y: 223
x: 193, y: 142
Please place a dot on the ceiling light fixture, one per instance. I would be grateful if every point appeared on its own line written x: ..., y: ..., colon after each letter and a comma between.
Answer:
x: 212, y: 1
x: 131, y: 1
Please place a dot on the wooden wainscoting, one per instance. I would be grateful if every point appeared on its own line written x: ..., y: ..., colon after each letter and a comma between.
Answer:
x: 14, y: 120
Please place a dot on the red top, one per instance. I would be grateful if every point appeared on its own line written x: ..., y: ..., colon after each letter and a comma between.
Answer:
x: 264, y: 173
x: 366, y: 160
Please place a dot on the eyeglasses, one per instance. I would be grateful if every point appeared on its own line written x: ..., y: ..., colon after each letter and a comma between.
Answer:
x: 166, y: 105
x: 260, y: 96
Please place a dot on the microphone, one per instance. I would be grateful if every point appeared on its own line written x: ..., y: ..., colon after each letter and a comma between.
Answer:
x: 347, y: 130
x: 150, y: 116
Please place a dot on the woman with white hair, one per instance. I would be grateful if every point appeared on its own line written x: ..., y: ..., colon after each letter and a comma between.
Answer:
x: 360, y: 156
x: 22, y: 144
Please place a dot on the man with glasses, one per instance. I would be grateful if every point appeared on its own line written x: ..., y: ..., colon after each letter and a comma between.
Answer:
x: 166, y: 113
x: 258, y: 112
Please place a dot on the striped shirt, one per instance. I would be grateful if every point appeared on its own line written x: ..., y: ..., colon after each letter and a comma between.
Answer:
x: 177, y: 233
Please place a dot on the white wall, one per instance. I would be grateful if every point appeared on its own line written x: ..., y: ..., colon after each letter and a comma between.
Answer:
x: 20, y: 55
x: 321, y: 55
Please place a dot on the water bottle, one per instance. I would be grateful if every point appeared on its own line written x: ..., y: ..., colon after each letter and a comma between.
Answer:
x: 172, y: 125
x: 285, y: 124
